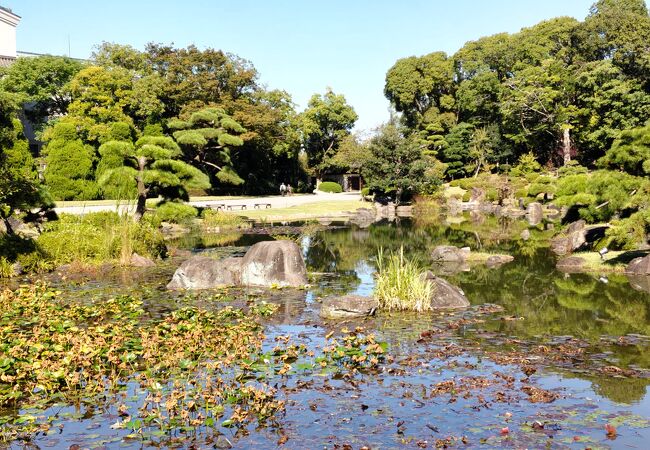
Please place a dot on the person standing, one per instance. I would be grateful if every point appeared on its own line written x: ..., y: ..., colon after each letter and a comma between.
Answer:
x: 289, y: 190
x: 283, y: 189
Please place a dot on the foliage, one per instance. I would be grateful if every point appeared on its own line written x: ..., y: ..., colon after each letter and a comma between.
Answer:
x: 330, y: 186
x: 41, y: 82
x: 151, y: 165
x: 397, y: 166
x: 327, y: 120
x: 207, y: 137
x: 561, y: 90
x: 630, y: 152
x: 175, y: 212
x: 118, y: 345
x: 98, y: 237
x: 69, y: 164
x: 400, y: 285
x: 19, y: 184
x: 214, y: 219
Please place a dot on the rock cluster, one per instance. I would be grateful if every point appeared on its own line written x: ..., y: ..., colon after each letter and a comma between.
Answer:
x: 270, y: 263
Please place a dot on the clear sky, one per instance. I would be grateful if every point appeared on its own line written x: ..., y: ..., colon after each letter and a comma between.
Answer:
x: 299, y: 46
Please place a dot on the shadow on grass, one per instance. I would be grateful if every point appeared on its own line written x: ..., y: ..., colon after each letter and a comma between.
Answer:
x: 626, y: 257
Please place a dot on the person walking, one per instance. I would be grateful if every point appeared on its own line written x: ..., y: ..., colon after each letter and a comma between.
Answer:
x: 283, y: 189
x: 289, y: 190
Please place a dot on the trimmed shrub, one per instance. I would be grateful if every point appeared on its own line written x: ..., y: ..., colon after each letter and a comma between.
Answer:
x: 330, y: 186
x: 175, y: 212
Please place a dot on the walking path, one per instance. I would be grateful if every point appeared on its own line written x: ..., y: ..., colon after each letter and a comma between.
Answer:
x: 276, y: 201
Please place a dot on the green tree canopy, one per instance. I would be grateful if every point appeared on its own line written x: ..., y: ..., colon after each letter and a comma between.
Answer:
x: 69, y: 164
x: 396, y: 166
x: 19, y: 184
x: 327, y: 120
x: 151, y: 164
x: 207, y: 137
x: 43, y: 83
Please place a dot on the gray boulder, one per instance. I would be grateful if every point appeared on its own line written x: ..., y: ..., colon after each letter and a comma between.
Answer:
x: 639, y: 266
x: 498, y: 260
x: 445, y: 295
x: 573, y: 238
x: 140, y: 261
x: 274, y: 263
x: 348, y: 307
x: 201, y: 272
x: 449, y: 253
x: 525, y: 235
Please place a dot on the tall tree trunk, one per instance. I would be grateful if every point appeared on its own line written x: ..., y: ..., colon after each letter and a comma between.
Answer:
x: 566, y: 144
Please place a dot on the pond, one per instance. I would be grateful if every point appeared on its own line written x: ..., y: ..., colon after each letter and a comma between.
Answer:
x: 541, y: 359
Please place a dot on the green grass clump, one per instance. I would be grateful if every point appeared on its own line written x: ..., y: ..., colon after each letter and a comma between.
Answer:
x: 214, y: 219
x: 6, y: 268
x: 330, y: 186
x: 174, y: 212
x: 400, y: 285
x: 98, y: 237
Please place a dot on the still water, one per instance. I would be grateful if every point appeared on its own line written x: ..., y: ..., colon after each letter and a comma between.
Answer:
x: 466, y: 379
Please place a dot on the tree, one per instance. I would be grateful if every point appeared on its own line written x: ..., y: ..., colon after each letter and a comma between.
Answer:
x: 414, y: 85
x: 618, y: 30
x: 149, y: 164
x: 481, y: 150
x: 194, y: 79
x: 41, y: 82
x: 69, y: 164
x: 19, y: 184
x: 456, y: 152
x: 103, y: 96
x: 207, y: 138
x: 630, y: 153
x: 327, y: 120
x: 396, y: 166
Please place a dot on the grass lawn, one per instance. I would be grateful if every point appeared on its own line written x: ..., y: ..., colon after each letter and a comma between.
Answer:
x: 306, y: 211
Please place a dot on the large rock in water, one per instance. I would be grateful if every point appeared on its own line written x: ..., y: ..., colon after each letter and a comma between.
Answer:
x: 573, y: 239
x: 274, y: 263
x: 449, y: 253
x: 445, y: 295
x: 201, y: 272
x: 348, y: 307
x: 639, y: 266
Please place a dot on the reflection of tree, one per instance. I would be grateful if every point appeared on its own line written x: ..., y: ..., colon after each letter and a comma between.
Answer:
x: 620, y: 390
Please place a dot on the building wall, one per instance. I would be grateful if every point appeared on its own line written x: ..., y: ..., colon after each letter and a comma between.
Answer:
x: 8, y: 23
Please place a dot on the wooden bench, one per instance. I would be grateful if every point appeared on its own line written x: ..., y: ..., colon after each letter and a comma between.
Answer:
x: 259, y: 205
x: 218, y: 206
x: 230, y: 207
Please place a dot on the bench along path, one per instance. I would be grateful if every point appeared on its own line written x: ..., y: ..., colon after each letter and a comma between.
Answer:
x: 276, y: 201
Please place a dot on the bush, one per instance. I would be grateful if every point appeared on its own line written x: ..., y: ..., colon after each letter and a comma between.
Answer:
x: 213, y: 219
x: 330, y: 186
x: 365, y: 192
x: 527, y: 164
x: 400, y: 285
x: 175, y: 212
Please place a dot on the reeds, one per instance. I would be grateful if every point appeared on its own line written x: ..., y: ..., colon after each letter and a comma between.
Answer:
x: 400, y: 285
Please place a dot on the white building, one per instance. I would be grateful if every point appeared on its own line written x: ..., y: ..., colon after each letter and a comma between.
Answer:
x: 8, y: 23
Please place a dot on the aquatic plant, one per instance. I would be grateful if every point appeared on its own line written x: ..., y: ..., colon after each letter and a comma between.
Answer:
x: 399, y: 283
x: 189, y: 365
x: 98, y: 237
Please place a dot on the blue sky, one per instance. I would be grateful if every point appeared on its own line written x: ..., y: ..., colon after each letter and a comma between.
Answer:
x: 299, y: 46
